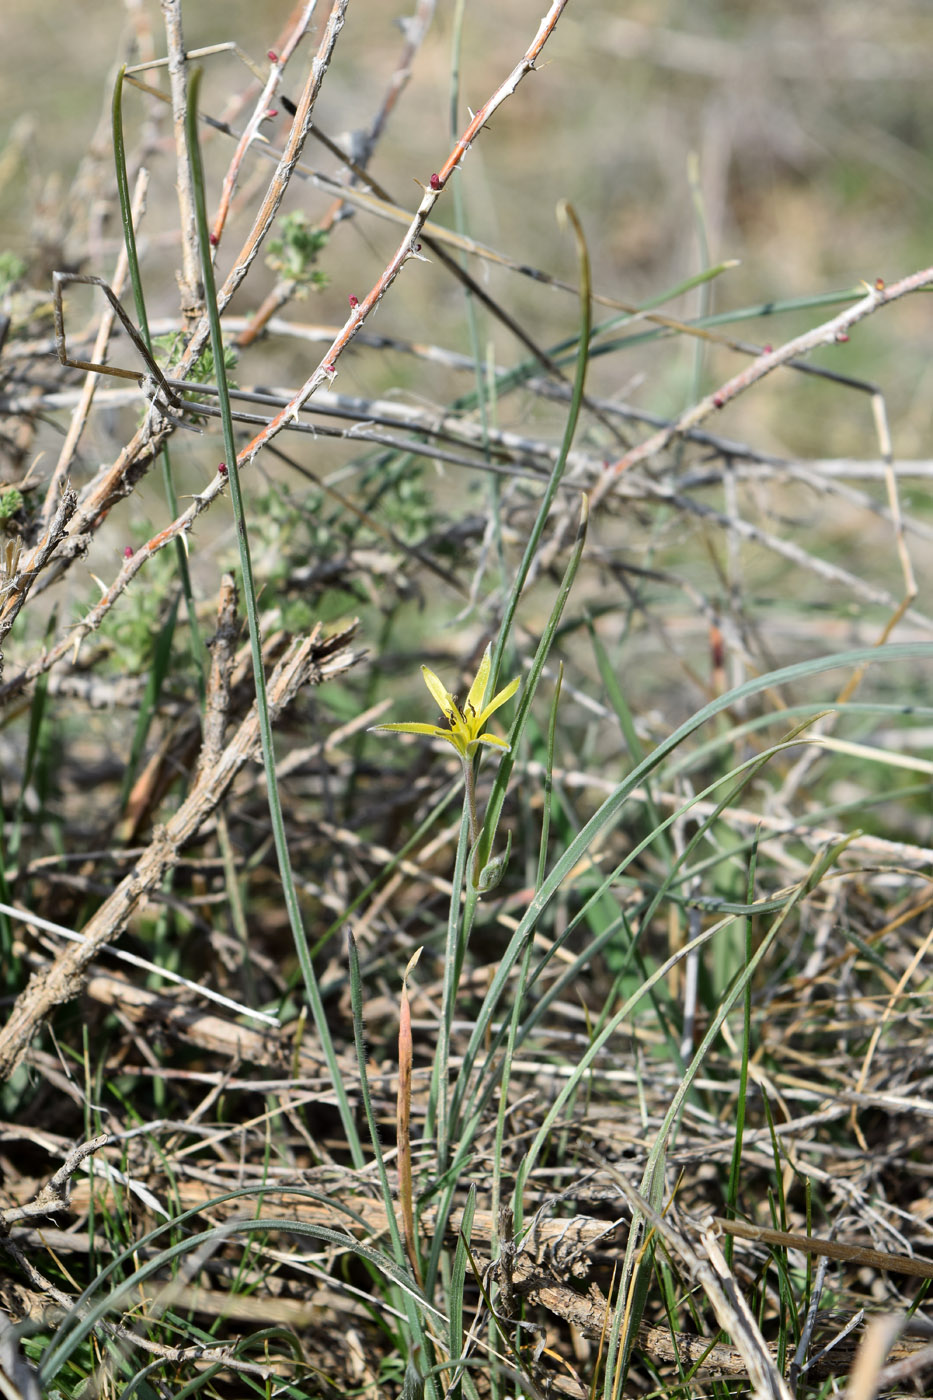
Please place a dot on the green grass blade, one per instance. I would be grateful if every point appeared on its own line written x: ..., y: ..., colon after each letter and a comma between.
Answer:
x: 290, y: 893
x: 158, y: 670
x: 455, y: 1295
x: 132, y: 255
x: 527, y: 693
x: 567, y: 212
x: 80, y: 1327
x: 356, y: 1003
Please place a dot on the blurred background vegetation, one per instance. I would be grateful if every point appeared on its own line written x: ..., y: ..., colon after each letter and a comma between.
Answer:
x: 811, y: 128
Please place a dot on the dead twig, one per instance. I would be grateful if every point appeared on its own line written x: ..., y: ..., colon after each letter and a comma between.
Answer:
x: 56, y: 1194
x: 189, y: 276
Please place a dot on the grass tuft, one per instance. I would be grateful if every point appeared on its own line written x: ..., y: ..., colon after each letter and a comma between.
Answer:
x: 652, y: 1116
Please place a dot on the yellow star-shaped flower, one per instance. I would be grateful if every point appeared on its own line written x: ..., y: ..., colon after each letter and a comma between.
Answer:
x: 466, y: 725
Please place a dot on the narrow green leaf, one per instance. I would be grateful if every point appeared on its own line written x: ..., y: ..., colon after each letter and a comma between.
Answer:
x: 289, y: 890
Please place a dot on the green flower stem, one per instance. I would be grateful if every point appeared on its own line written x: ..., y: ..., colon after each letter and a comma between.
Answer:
x: 469, y: 789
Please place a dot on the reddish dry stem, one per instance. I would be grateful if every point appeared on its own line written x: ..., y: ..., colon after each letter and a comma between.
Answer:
x: 403, y: 1131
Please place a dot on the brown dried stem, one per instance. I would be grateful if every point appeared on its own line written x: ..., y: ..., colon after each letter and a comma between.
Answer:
x: 189, y: 277
x: 251, y: 131
x: 325, y: 371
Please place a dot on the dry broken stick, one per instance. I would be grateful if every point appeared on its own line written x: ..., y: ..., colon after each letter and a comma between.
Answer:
x: 728, y: 1304
x: 189, y: 275
x: 153, y: 383
x: 29, y: 567
x: 306, y: 662
x: 223, y: 656
x: 56, y: 1193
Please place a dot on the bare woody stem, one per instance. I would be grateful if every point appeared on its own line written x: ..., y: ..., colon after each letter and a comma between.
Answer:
x: 189, y: 277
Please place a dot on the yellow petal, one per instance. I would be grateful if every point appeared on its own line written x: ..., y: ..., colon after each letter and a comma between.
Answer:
x: 430, y: 731
x: 490, y: 739
x: 477, y: 695
x: 505, y: 694
x: 445, y: 701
